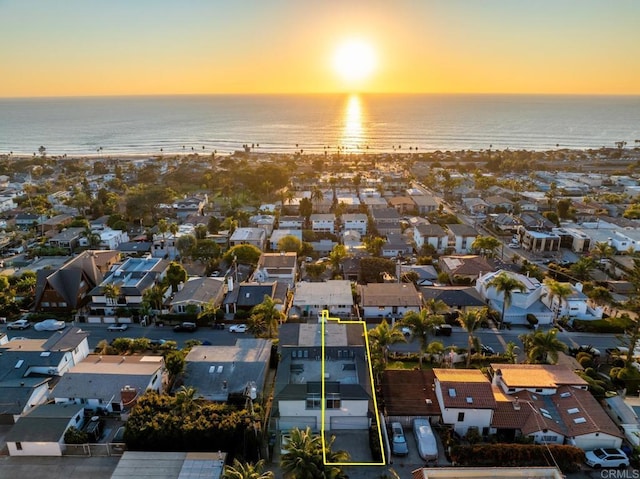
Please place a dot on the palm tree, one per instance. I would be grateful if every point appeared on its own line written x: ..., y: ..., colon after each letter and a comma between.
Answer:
x: 304, y: 458
x: 422, y: 325
x: 487, y: 245
x: 266, y: 316
x: 436, y: 306
x: 154, y: 296
x: 506, y: 284
x: 382, y: 337
x: 186, y: 398
x: 555, y: 289
x: 111, y: 292
x: 316, y: 196
x: 470, y: 320
x: 247, y: 470
x: 510, y: 352
x: 435, y: 348
x: 544, y: 345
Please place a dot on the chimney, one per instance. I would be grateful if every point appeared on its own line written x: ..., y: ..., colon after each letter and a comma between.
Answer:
x: 230, y: 283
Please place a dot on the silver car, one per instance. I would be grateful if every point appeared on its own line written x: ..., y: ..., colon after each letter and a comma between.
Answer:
x: 398, y: 441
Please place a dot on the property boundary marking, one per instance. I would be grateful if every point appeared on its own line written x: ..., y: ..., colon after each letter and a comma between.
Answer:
x: 324, y: 319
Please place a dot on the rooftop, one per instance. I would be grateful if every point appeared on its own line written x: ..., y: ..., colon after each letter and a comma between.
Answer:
x: 537, y: 375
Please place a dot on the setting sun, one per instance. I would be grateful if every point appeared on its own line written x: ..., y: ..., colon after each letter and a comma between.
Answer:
x: 355, y: 60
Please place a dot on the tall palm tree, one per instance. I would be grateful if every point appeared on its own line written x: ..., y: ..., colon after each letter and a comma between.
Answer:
x: 561, y: 291
x: 316, y: 196
x: 266, y: 316
x: 422, y: 325
x: 505, y: 284
x: 470, y: 320
x: 545, y: 346
x: 383, y: 336
x: 247, y: 470
x: 436, y: 306
x: 304, y: 458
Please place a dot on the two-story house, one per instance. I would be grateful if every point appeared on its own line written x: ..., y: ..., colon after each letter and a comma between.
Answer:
x: 355, y: 222
x: 281, y: 267
x: 389, y: 300
x: 461, y: 237
x: 386, y: 220
x: 428, y: 234
x: 323, y: 222
x: 254, y: 236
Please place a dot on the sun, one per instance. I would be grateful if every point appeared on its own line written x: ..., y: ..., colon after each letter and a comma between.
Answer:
x: 354, y: 60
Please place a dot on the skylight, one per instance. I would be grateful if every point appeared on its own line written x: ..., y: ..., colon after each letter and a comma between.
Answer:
x: 579, y: 420
x: 452, y: 392
x: 573, y: 410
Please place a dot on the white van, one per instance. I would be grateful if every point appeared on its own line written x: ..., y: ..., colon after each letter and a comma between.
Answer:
x: 425, y: 439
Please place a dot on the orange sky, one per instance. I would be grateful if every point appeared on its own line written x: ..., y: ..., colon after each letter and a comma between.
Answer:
x: 97, y: 47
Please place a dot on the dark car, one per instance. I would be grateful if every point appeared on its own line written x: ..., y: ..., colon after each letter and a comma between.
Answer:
x: 185, y: 327
x: 444, y: 330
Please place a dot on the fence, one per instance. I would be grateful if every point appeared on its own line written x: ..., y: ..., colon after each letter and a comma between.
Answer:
x: 88, y: 450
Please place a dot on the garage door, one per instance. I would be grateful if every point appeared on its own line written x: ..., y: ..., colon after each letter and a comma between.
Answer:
x: 286, y: 423
x: 349, y: 422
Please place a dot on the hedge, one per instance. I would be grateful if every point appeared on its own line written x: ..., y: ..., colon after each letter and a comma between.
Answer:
x: 568, y: 458
x: 616, y: 325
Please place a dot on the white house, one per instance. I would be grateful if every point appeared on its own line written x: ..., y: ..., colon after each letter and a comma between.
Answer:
x: 389, y: 300
x: 355, y: 222
x: 466, y: 399
x: 7, y: 203
x: 41, y: 431
x: 428, y: 234
x: 323, y: 222
x: 522, y: 303
x: 281, y: 267
x: 573, y: 306
x: 291, y: 222
x: 255, y: 236
x: 461, y: 237
x: 333, y: 295
x: 278, y: 234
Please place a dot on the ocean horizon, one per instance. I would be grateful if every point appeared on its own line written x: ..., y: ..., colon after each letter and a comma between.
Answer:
x: 314, y: 123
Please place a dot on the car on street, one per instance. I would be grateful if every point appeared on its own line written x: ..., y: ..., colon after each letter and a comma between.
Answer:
x: 185, y: 327
x: 406, y: 331
x: 19, y: 324
x: 399, y: 441
x: 238, y: 328
x: 606, y: 458
x: 118, y: 327
x: 50, y: 325
x: 444, y: 330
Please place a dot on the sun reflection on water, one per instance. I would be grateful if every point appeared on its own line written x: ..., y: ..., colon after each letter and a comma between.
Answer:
x: 353, y: 134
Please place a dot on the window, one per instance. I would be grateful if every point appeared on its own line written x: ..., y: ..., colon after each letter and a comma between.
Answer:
x: 313, y: 401
x: 549, y: 438
x: 460, y: 417
x: 19, y: 446
x: 333, y: 401
x: 538, y: 390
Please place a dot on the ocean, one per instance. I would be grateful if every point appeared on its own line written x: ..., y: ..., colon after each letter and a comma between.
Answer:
x: 111, y: 126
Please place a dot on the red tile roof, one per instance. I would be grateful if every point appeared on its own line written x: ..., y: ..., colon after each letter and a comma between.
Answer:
x: 409, y: 393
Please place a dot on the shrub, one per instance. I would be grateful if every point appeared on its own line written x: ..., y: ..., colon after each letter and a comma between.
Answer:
x: 608, y: 325
x: 75, y: 436
x: 532, y: 320
x: 374, y: 443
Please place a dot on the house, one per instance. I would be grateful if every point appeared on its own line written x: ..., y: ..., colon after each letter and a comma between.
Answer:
x: 24, y: 221
x: 475, y: 206
x: 190, y: 205
x: 27, y: 366
x: 428, y: 234
x: 574, y: 239
x: 68, y: 239
x: 67, y: 287
x: 135, y: 248
x: 7, y: 203
x: 281, y: 267
x: 464, y: 268
x: 397, y: 245
x: 41, y: 431
x: 130, y: 279
x: 498, y: 204
x: 278, y: 234
x: 538, y: 241
x: 551, y: 404
x: 504, y: 222
x: 424, y: 204
x: 298, y: 400
x: 244, y: 296
x: 461, y: 237
x: 333, y: 295
x: 254, y: 236
x: 57, y: 223
x: 355, y: 222
x: 373, y: 202
x: 323, y: 222
x: 266, y: 222
x: 402, y: 204
x: 219, y: 373
x: 388, y: 300
x: 198, y: 293
x: 109, y: 239
x: 574, y: 306
x: 105, y: 383
x: 522, y: 303
x: 386, y: 220
x: 459, y: 298
x: 465, y: 398
x: 291, y: 222
x: 427, y: 273
x: 352, y: 240
x: 417, y: 398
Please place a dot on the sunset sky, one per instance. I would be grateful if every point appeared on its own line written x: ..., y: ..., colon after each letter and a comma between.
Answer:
x: 122, y: 47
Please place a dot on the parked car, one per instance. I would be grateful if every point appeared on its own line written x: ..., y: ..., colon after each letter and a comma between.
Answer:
x: 399, y: 441
x: 426, y: 441
x: 118, y: 327
x: 407, y: 331
x: 185, y: 327
x: 50, y: 325
x: 19, y: 324
x: 444, y: 330
x: 238, y: 328
x: 606, y: 458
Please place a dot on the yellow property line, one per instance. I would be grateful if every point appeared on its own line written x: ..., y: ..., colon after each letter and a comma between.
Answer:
x: 324, y: 318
